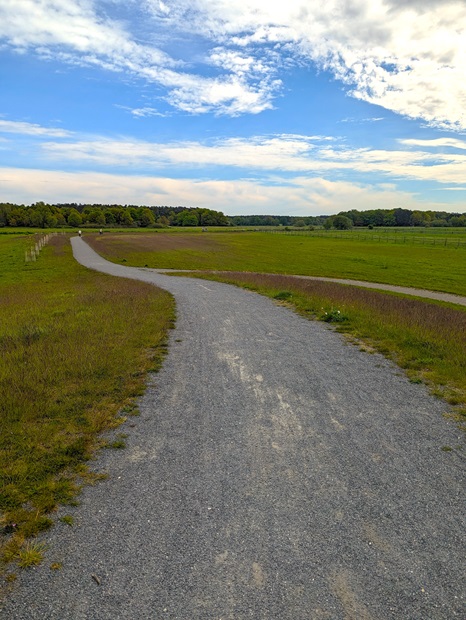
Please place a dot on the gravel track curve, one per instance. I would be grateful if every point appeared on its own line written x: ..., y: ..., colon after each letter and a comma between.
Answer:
x: 392, y: 288
x: 275, y: 472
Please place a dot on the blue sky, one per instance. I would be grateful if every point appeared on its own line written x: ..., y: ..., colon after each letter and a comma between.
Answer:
x: 245, y: 106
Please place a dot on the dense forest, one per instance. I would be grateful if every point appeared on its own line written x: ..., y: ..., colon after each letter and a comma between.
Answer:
x: 42, y: 215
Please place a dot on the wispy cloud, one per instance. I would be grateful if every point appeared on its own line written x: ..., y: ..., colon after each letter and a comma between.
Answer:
x: 76, y: 32
x: 144, y: 112
x: 32, y: 129
x: 437, y: 143
x: 362, y: 120
x: 451, y: 189
x: 270, y: 154
x: 406, y: 56
x: 282, y: 152
x: 439, y: 160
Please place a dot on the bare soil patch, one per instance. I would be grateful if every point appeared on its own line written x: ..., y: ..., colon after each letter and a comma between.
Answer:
x: 111, y: 245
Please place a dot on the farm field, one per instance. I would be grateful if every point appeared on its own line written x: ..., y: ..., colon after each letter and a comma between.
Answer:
x: 439, y: 267
x: 72, y: 361
x: 427, y: 339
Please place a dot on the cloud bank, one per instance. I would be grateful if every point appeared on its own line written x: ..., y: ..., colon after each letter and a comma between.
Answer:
x: 301, y: 196
x: 260, y: 174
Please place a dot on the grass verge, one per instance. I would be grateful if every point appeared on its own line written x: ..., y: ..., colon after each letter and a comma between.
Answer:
x: 427, y: 339
x: 75, y: 349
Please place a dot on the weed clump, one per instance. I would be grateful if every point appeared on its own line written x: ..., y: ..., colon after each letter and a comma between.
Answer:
x: 31, y: 554
x: 333, y: 316
x: 283, y: 295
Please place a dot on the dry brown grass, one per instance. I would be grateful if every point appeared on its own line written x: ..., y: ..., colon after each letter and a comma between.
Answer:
x: 113, y: 244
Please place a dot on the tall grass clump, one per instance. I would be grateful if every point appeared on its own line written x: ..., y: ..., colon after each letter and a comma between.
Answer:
x: 425, y: 338
x: 75, y: 346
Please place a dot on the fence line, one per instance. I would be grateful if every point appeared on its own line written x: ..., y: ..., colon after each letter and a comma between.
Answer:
x: 32, y: 254
x: 401, y: 239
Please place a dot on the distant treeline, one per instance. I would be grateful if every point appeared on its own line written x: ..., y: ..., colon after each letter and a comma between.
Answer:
x: 395, y: 217
x: 42, y: 215
x: 277, y: 220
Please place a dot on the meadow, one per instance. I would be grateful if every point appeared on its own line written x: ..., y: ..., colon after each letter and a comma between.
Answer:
x: 427, y: 339
x: 411, y: 235
x: 74, y: 359
x: 348, y: 255
x: 76, y: 347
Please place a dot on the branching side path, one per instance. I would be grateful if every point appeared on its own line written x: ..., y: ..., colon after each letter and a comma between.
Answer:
x: 275, y: 472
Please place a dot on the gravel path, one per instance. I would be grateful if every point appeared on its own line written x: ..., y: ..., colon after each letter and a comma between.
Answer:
x: 275, y: 472
x: 405, y: 290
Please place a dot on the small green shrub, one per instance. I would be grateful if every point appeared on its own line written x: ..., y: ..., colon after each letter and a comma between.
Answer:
x: 333, y: 316
x: 283, y: 295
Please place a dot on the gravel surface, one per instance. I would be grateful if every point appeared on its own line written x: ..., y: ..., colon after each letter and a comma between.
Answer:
x: 405, y: 290
x: 275, y: 472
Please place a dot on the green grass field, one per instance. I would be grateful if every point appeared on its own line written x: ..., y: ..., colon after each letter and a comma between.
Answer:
x: 75, y: 347
x: 73, y: 357
x: 437, y: 267
x: 427, y: 339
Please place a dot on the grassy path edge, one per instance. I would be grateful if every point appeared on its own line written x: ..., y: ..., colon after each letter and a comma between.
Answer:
x: 76, y: 349
x: 425, y: 338
x: 404, y: 290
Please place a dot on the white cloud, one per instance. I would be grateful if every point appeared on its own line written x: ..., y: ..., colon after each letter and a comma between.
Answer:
x: 282, y: 152
x: 453, y: 189
x: 73, y: 25
x: 407, y: 56
x: 414, y: 165
x: 230, y: 95
x: 32, y: 129
x: 301, y: 196
x: 144, y: 112
x: 362, y: 120
x: 72, y: 31
x: 437, y: 143
x: 163, y: 8
x: 267, y: 154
